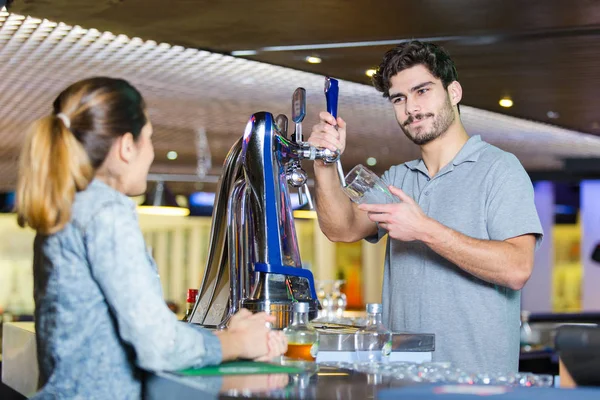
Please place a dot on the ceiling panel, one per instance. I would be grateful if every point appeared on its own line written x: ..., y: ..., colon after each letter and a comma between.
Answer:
x: 189, y: 89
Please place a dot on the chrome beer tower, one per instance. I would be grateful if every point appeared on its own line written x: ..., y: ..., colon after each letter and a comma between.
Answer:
x: 253, y: 259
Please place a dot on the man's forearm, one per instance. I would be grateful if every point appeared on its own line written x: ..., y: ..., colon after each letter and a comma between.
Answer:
x: 334, y: 208
x: 499, y: 262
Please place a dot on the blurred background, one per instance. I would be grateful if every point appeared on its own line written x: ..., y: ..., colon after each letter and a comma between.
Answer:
x: 529, y: 71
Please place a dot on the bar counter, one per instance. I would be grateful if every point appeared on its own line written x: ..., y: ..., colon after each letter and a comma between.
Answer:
x: 327, y: 380
x: 20, y: 370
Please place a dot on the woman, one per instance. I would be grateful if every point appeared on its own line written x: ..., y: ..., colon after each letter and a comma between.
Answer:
x: 100, y: 316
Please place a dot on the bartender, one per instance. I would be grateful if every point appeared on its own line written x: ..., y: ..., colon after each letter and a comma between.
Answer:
x: 461, y: 240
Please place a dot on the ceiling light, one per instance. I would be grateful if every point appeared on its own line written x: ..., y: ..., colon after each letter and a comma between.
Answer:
x: 552, y: 114
x: 342, y: 45
x: 371, y: 161
x: 172, y: 155
x: 313, y: 60
x: 506, y: 102
x: 370, y: 72
x: 242, y: 53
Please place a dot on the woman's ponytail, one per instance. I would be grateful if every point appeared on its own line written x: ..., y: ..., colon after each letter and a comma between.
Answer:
x: 53, y: 167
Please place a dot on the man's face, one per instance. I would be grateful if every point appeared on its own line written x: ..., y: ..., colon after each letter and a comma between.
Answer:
x: 423, y: 107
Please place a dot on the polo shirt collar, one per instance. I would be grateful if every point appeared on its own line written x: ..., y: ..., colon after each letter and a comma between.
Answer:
x: 468, y: 153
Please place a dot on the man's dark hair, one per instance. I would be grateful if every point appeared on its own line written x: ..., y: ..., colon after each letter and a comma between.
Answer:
x: 409, y: 54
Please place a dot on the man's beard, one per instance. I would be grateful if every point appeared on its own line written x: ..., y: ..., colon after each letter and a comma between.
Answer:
x: 441, y: 123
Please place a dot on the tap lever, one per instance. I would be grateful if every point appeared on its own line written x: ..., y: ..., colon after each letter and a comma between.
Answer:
x: 304, y: 189
x: 281, y: 122
x: 340, y: 172
x: 331, y: 95
x: 298, y: 111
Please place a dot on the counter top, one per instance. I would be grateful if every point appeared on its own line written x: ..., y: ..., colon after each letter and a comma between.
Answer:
x: 338, y: 383
x: 328, y: 382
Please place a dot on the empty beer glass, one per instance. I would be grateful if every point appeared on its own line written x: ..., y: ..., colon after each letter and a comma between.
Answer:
x: 363, y: 186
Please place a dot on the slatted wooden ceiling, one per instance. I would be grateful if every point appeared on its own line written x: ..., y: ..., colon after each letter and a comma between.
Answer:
x: 544, y: 54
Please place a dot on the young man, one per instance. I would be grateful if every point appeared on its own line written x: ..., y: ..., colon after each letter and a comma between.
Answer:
x: 461, y: 240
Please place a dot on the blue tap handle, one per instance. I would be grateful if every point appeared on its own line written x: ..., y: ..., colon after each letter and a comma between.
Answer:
x: 331, y: 94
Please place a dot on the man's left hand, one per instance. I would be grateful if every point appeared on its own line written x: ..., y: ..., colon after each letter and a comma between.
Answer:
x: 404, y: 221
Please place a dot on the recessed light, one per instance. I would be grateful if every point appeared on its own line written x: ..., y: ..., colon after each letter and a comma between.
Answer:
x: 552, y: 114
x: 506, y: 102
x: 172, y: 155
x: 371, y: 161
x: 313, y: 60
x: 370, y: 72
x: 243, y: 53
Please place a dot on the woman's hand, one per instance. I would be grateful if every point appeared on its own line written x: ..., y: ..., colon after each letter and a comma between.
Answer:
x: 249, y: 336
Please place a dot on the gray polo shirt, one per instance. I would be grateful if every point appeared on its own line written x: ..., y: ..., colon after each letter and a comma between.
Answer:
x: 486, y: 194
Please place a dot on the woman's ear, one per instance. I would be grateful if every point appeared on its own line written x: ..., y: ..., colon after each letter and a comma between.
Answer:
x: 126, y: 147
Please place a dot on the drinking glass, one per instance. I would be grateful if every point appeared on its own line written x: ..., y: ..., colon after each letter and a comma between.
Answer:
x: 363, y: 186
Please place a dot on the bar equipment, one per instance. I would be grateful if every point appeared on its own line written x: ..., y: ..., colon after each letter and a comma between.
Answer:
x: 296, y: 175
x: 331, y: 96
x: 373, y: 343
x: 253, y: 258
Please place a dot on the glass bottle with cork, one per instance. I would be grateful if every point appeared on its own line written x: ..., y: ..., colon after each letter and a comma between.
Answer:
x: 189, y: 304
x: 303, y: 339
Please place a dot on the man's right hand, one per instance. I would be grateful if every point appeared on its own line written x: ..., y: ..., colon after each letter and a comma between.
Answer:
x: 339, y: 219
x: 328, y: 133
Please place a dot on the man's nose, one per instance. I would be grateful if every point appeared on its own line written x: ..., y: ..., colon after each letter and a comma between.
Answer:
x: 412, y: 107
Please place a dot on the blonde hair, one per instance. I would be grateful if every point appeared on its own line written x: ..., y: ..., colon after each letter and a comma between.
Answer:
x: 61, y: 153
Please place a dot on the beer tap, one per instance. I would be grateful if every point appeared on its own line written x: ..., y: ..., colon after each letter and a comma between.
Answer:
x: 296, y: 175
x: 253, y: 260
